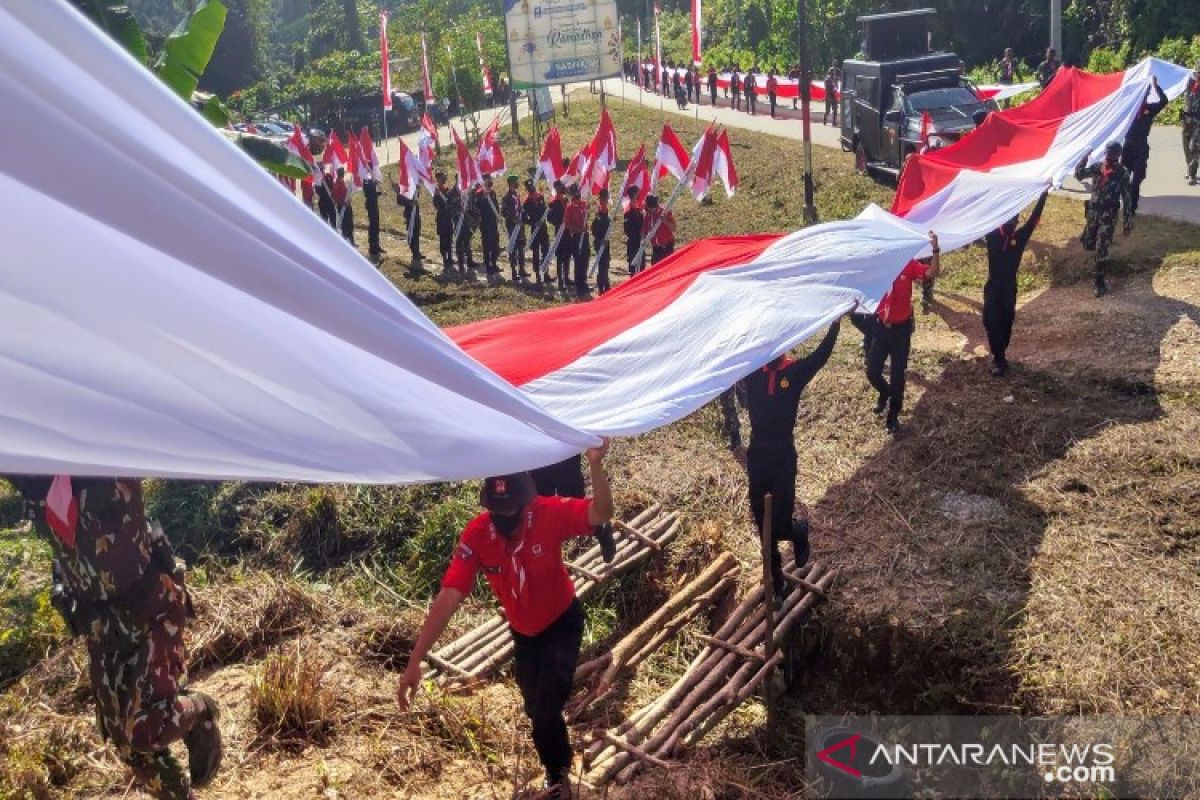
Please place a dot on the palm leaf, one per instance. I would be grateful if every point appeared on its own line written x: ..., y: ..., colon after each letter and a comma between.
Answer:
x: 115, y: 18
x: 271, y: 156
x: 186, y: 52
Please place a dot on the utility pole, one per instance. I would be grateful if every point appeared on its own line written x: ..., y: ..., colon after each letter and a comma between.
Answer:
x: 1056, y: 27
x: 810, y: 208
x: 512, y: 93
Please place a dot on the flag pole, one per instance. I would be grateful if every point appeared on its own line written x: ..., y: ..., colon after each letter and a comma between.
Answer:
x: 687, y: 179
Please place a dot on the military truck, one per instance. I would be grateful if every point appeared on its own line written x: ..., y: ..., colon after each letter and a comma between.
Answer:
x: 890, y: 87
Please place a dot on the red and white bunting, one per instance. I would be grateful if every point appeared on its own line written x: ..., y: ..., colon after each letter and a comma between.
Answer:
x: 428, y: 81
x: 483, y: 70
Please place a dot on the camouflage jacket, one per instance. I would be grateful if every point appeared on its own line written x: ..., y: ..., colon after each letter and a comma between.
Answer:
x: 1191, y: 98
x: 1110, y: 185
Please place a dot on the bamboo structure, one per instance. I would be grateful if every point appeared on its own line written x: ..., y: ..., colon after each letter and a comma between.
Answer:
x: 733, y: 665
x: 489, y: 646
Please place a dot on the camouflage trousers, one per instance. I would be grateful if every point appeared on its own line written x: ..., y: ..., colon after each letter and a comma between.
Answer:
x: 1191, y: 144
x: 138, y: 673
x: 1100, y: 225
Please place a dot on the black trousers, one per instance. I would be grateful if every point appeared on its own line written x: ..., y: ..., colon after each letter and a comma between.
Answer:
x: 562, y: 257
x: 890, y: 342
x: 446, y: 243
x: 516, y: 259
x: 771, y: 98
x: 348, y: 223
x: 771, y: 469
x: 412, y: 219
x: 581, y: 253
x: 658, y: 253
x: 327, y: 208
x: 462, y: 248
x: 712, y: 93
x: 602, y: 265
x: 544, y: 666
x: 372, y: 203
x: 631, y: 248
x: 490, y: 239
x: 999, y: 311
x: 1136, y: 164
x: 539, y: 245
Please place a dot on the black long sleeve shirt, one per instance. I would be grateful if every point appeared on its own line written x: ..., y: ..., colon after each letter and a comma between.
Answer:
x: 1006, y: 246
x: 1137, y: 140
x: 771, y: 395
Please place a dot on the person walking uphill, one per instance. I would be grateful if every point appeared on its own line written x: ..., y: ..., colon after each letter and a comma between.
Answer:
x: 1005, y: 246
x: 517, y: 543
x: 1110, y: 194
x: 1191, y: 124
x: 891, y: 336
x: 118, y: 586
x: 1135, y: 155
x: 772, y: 397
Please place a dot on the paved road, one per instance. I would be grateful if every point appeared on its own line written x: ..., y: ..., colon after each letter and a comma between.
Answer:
x: 1165, y: 192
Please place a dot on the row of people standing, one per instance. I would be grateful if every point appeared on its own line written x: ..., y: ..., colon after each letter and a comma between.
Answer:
x: 564, y: 230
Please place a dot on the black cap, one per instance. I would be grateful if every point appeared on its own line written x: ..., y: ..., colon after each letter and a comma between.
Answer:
x: 507, y: 494
x: 1113, y: 148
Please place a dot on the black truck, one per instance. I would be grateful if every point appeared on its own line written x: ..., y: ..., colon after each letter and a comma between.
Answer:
x: 893, y: 84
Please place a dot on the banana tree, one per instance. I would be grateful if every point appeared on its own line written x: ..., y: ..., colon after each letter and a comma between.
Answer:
x: 179, y: 64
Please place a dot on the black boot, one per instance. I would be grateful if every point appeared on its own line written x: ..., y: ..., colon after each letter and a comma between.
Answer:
x: 205, y: 749
x: 800, y: 546
x: 1101, y: 285
x: 881, y: 404
x: 893, y: 424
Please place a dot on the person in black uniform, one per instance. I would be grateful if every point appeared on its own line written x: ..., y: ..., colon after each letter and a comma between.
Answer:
x: 461, y: 208
x: 562, y: 251
x: 1136, y: 152
x: 1005, y: 246
x: 325, y: 206
x: 633, y: 222
x: 601, y: 224
x: 534, y: 212
x: 510, y: 209
x: 489, y: 227
x: 444, y: 219
x: 411, y: 209
x: 772, y: 397
x: 371, y: 193
x: 712, y: 86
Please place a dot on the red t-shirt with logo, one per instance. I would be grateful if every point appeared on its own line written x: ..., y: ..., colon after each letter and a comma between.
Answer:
x: 526, y: 572
x: 896, y: 305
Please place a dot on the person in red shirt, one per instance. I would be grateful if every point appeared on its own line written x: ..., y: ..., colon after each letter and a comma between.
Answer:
x: 772, y: 89
x: 662, y: 241
x: 517, y: 544
x: 575, y: 221
x: 891, y: 335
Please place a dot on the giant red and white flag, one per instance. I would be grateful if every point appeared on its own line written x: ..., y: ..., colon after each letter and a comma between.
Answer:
x: 550, y: 164
x: 636, y: 174
x: 468, y: 168
x: 723, y: 166
x: 426, y: 79
x: 697, y: 32
x: 703, y: 155
x: 671, y: 158
x: 188, y: 325
x: 489, y: 155
x: 385, y: 64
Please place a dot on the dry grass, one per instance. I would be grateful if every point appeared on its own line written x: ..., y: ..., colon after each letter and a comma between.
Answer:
x: 240, y: 620
x: 290, y: 701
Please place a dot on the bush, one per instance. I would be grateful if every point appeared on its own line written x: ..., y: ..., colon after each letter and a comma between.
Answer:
x: 1104, y: 60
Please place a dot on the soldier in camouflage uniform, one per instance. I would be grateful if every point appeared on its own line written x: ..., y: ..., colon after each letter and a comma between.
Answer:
x: 1110, y: 195
x: 1191, y: 125
x: 118, y: 585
